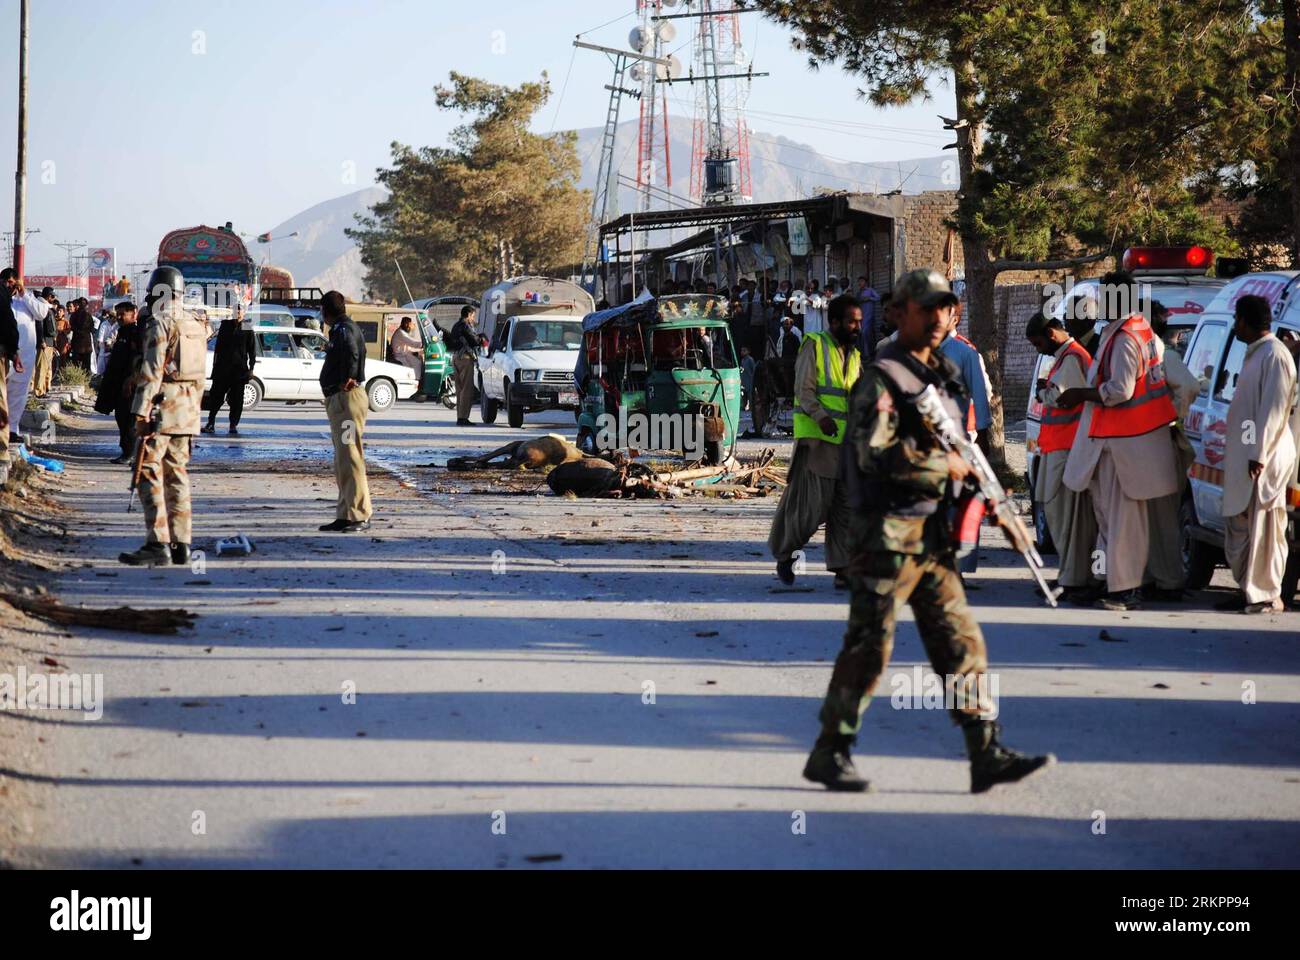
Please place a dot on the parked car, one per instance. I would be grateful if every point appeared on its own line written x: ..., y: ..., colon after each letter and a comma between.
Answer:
x: 1215, y: 355
x: 534, y: 331
x: 1175, y: 276
x: 289, y: 361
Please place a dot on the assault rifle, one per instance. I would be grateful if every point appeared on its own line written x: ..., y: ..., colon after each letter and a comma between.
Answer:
x: 953, y: 439
x: 155, y: 424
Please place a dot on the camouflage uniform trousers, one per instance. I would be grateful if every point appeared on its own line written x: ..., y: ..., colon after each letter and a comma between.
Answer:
x: 165, y: 488
x: 881, y: 583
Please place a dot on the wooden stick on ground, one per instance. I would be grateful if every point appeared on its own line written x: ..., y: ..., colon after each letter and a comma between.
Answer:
x: 121, y: 618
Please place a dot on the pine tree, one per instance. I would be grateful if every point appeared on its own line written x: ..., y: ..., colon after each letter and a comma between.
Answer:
x: 1080, y: 126
x: 499, y: 199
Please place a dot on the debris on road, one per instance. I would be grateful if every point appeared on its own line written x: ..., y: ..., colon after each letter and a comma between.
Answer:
x: 237, y: 546
x: 162, y: 621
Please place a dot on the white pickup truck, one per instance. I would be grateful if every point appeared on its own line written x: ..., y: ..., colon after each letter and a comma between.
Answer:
x: 534, y: 331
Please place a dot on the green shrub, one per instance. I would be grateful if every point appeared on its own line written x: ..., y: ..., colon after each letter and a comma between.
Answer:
x: 71, y: 375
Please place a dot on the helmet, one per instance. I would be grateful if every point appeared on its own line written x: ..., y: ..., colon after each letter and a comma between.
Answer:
x: 165, y: 282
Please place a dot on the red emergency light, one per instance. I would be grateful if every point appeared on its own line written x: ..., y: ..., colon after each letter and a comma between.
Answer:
x: 1193, y: 260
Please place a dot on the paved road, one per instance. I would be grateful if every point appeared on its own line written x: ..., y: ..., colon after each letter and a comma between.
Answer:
x: 517, y: 701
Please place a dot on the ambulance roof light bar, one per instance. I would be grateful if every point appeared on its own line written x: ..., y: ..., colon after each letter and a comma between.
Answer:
x: 1168, y: 261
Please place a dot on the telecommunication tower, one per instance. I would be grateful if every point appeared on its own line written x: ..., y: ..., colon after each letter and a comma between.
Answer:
x: 654, y: 162
x: 721, y: 71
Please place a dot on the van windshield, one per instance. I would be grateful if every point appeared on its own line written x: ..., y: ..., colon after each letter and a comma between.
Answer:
x: 546, y: 335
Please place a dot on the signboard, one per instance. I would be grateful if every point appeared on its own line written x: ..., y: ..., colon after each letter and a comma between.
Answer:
x: 101, y: 269
x: 800, y: 238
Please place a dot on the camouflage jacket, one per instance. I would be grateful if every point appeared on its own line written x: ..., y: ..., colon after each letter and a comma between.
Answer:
x: 160, y: 371
x: 895, y: 471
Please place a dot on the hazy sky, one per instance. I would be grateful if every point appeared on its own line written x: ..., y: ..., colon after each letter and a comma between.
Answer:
x: 147, y: 115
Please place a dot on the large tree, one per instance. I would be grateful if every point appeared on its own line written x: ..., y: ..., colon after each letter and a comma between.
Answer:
x: 499, y: 199
x: 1079, y: 127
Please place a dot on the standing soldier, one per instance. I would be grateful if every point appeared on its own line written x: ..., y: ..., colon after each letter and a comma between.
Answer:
x: 463, y: 342
x: 826, y: 370
x: 899, y: 482
x: 173, y: 362
x: 1069, y: 513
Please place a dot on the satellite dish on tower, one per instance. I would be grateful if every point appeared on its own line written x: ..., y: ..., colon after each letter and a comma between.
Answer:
x: 637, y: 72
x: 640, y: 40
x: 666, y: 31
x: 673, y: 70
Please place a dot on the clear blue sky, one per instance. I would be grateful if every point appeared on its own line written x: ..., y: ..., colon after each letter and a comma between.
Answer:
x: 141, y: 134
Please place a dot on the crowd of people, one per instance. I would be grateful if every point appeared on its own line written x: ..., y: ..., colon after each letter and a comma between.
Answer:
x: 1115, y: 461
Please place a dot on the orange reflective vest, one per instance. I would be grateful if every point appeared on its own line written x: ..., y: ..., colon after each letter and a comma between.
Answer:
x: 1151, y: 406
x: 1060, y: 424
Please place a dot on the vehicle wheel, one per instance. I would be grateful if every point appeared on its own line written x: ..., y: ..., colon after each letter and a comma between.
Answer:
x: 714, y: 451
x: 487, y: 406
x: 382, y: 394
x: 514, y: 414
x: 253, y: 394
x: 449, y: 393
x: 1042, y: 533
x: 587, y: 442
x: 1199, y: 558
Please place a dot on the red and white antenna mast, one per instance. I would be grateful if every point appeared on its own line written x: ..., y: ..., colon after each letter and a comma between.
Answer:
x: 653, y: 156
x: 720, y: 170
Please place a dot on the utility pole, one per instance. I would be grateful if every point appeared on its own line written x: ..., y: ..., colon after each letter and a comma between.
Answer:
x: 20, y: 176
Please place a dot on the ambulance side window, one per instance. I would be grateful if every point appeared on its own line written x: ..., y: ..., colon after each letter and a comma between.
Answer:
x: 1227, y: 384
x: 1203, y: 353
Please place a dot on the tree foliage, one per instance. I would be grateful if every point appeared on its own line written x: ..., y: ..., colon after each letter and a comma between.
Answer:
x: 499, y: 198
x: 1081, y: 127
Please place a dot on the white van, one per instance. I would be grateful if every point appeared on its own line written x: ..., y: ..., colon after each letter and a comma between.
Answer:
x: 534, y: 331
x: 1215, y: 355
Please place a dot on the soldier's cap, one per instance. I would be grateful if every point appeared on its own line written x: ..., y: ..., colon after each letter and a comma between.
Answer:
x: 928, y: 288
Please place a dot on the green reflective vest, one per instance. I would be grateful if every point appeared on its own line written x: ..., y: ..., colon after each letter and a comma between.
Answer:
x: 834, y: 381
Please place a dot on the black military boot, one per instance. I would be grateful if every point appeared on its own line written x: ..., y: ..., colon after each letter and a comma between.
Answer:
x: 150, y: 555
x: 830, y: 765
x: 990, y: 762
x: 180, y: 554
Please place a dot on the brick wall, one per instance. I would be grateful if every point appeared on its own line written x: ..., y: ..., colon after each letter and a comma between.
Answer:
x: 925, y: 232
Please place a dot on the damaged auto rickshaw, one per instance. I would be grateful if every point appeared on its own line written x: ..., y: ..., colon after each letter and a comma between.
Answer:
x: 660, y: 374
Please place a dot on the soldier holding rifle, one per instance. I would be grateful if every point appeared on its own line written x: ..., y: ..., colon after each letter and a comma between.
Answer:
x: 169, y: 389
x: 899, y: 478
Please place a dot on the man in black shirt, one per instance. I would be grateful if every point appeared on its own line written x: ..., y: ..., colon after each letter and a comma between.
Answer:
x: 233, y: 360
x: 463, y: 343
x: 117, y: 386
x: 343, y: 381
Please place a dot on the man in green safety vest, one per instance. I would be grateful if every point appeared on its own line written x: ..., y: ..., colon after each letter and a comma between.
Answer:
x: 826, y: 370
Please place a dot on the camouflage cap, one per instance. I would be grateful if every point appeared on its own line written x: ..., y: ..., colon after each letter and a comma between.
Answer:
x: 926, y: 287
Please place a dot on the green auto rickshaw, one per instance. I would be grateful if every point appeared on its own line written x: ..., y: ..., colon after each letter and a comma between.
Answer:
x: 660, y: 374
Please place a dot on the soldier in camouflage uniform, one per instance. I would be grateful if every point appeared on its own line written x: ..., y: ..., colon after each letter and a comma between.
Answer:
x: 899, y: 482
x: 171, y: 374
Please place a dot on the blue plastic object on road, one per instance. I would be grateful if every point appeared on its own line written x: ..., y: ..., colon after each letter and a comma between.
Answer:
x: 45, y: 463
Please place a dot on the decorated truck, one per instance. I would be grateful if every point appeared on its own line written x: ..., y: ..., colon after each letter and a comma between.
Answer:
x: 218, y: 271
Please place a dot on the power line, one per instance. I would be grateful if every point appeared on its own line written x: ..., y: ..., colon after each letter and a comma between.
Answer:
x: 606, y: 24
